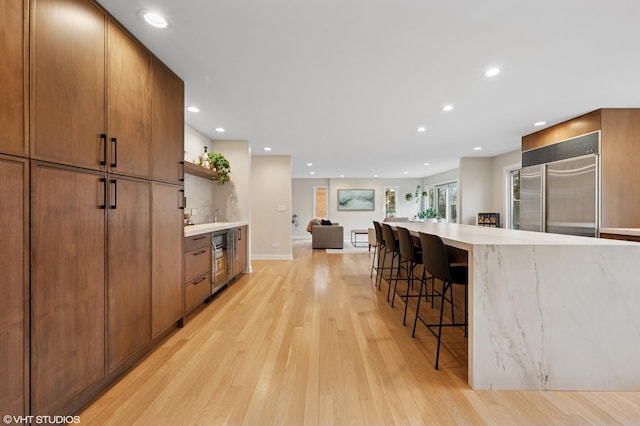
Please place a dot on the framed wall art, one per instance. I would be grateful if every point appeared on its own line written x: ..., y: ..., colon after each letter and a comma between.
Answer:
x: 356, y: 200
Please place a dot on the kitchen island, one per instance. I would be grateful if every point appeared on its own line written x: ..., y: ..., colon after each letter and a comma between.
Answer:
x: 548, y: 311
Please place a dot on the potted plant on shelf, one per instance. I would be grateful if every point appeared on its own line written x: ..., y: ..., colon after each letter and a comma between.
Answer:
x: 221, y: 166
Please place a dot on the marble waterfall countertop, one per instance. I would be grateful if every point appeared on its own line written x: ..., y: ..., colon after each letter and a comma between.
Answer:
x: 548, y: 311
x: 203, y: 228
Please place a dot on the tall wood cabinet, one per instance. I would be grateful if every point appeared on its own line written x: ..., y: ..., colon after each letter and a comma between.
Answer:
x: 129, y: 268
x: 14, y: 264
x: 68, y: 276
x: 68, y: 82
x: 12, y: 77
x: 167, y: 220
x: 106, y: 140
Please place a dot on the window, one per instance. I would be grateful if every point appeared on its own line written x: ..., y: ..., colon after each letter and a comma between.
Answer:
x: 321, y: 201
x: 447, y: 202
x: 390, y: 202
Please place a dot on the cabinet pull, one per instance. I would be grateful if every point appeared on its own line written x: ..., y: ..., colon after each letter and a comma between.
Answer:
x: 199, y: 253
x: 239, y: 234
x: 181, y: 203
x: 199, y: 238
x: 200, y: 280
x: 115, y: 194
x: 103, y: 182
x: 103, y: 145
x: 114, y: 143
x: 181, y: 171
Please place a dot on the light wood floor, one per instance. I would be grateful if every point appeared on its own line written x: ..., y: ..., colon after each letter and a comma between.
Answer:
x: 311, y: 341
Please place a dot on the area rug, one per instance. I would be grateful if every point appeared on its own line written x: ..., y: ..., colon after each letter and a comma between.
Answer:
x: 348, y: 248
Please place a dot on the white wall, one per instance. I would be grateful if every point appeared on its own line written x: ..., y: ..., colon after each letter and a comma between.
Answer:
x: 475, y: 188
x: 500, y: 184
x: 302, y: 190
x: 231, y: 199
x: 271, y: 207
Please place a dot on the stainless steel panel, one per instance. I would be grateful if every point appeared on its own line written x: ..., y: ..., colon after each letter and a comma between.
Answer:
x: 531, y: 207
x: 571, y: 196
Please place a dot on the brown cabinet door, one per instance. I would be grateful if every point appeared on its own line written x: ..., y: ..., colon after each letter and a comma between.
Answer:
x: 12, y: 46
x: 67, y: 285
x: 68, y: 82
x: 13, y: 284
x: 167, y: 130
x: 129, y: 270
x: 167, y: 232
x: 129, y: 105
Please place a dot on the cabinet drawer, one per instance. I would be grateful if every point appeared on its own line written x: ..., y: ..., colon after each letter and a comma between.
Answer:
x: 197, y: 262
x: 196, y: 242
x: 196, y: 291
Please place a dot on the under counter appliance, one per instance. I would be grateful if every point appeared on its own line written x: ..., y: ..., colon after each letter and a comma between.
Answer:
x: 219, y: 261
x: 559, y: 187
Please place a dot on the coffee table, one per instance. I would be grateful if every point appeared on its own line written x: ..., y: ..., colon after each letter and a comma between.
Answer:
x: 354, y: 236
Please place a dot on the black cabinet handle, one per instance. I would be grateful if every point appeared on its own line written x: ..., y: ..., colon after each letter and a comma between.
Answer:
x: 199, y: 253
x: 181, y: 202
x: 114, y: 144
x: 103, y: 182
x: 115, y: 193
x: 239, y: 234
x: 200, y: 280
x: 181, y: 171
x: 103, y: 145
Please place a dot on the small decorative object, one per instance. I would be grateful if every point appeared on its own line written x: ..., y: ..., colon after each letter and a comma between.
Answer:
x: 294, y: 220
x: 204, y: 159
x: 408, y: 196
x: 417, y: 194
x: 220, y: 164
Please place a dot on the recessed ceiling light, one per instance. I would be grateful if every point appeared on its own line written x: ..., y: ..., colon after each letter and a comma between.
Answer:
x: 312, y: 173
x: 406, y: 173
x: 375, y: 175
x: 427, y: 164
x: 193, y: 108
x: 267, y: 148
x: 220, y: 129
x: 539, y: 123
x: 447, y: 107
x: 309, y: 164
x: 477, y: 148
x: 422, y: 129
x: 492, y: 71
x: 341, y: 175
x: 155, y: 19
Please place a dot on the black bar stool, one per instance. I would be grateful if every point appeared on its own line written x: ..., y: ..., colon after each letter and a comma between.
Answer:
x: 436, y: 261
x: 379, y: 246
x: 410, y: 257
x: 390, y: 247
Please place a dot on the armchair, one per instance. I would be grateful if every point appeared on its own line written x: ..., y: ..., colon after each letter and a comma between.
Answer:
x: 327, y: 236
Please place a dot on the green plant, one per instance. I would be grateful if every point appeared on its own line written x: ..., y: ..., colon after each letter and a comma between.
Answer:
x: 221, y: 165
x: 408, y: 196
x: 429, y: 213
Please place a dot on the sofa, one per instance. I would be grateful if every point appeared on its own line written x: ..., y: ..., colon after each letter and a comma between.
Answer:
x: 325, y: 234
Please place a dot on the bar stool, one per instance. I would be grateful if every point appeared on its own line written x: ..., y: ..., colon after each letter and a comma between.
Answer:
x: 390, y: 247
x: 436, y: 261
x: 379, y: 246
x: 410, y: 257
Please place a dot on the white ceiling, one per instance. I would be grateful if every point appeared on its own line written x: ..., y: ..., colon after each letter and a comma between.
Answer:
x: 344, y: 84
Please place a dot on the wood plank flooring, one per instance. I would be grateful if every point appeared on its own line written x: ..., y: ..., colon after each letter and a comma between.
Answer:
x: 312, y: 342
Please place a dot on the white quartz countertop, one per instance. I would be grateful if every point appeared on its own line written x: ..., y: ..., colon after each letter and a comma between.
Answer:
x: 471, y: 235
x: 621, y: 231
x: 203, y: 228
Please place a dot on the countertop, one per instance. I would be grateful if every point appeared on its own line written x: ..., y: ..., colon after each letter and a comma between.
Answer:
x: 459, y: 235
x: 203, y: 228
x: 621, y: 231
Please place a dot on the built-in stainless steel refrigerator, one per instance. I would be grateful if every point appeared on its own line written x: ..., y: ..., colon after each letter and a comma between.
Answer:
x: 559, y: 187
